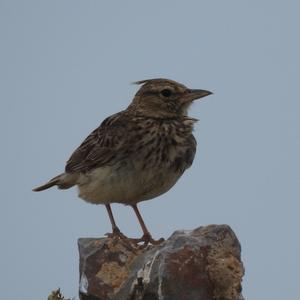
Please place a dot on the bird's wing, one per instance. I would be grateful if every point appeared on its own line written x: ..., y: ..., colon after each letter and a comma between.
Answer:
x: 103, y: 146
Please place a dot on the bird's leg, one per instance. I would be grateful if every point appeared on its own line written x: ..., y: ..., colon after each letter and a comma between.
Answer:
x: 116, y: 233
x: 146, y: 238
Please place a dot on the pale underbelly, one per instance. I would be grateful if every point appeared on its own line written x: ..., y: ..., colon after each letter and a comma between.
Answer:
x: 105, y: 185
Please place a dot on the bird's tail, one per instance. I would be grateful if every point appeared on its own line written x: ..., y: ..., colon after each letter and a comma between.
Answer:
x: 63, y: 181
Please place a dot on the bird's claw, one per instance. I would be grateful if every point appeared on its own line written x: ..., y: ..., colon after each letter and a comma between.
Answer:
x: 116, y: 234
x: 146, y: 239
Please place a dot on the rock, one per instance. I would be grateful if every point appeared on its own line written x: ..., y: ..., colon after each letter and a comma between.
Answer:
x: 200, y: 264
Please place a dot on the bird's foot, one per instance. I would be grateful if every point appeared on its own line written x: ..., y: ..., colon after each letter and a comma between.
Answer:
x: 147, y: 239
x: 117, y: 236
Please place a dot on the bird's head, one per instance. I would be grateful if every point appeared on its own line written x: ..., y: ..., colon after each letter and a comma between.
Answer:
x: 164, y: 98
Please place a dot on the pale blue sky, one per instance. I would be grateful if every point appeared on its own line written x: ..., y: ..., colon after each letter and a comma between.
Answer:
x: 66, y: 65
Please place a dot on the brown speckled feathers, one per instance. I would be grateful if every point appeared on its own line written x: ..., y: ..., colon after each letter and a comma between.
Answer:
x: 124, y: 134
x: 136, y: 154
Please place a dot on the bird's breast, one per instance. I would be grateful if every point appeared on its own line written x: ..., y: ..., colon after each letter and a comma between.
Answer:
x: 168, y: 147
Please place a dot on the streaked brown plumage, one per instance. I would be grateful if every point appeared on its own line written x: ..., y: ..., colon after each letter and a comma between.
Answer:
x: 136, y: 154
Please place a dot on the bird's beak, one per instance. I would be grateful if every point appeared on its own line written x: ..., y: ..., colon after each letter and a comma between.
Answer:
x: 196, y: 94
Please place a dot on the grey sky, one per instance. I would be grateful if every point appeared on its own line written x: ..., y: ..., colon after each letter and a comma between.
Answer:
x: 66, y: 65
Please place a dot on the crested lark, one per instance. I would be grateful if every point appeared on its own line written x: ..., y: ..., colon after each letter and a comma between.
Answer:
x: 136, y: 154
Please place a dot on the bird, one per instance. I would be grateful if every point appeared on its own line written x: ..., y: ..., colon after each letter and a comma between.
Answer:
x: 136, y: 154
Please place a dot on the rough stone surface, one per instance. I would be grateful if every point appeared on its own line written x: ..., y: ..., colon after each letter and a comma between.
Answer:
x: 200, y: 264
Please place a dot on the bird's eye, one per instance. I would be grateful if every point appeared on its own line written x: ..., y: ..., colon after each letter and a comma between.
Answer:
x: 166, y: 92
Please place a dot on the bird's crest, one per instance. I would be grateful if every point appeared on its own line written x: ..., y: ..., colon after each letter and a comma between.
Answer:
x: 154, y: 80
